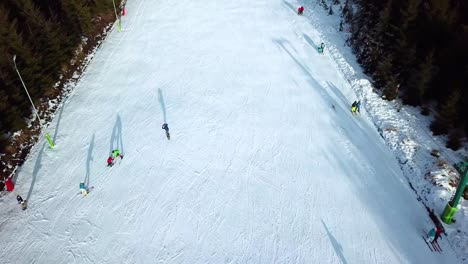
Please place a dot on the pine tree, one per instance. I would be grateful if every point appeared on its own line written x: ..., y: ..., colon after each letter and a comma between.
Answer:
x: 447, y: 114
x: 390, y: 88
x: 425, y: 74
x: 383, y: 72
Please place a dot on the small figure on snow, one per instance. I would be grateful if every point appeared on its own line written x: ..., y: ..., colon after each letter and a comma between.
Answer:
x: 300, y: 10
x: 166, y: 128
x: 321, y: 48
x: 110, y: 161
x: 83, y: 190
x: 438, y: 230
x: 358, y: 106
x: 341, y: 26
x: 354, y: 108
x: 21, y: 201
x: 116, y: 153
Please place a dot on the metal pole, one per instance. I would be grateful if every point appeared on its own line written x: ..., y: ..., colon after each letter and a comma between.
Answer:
x: 49, y: 140
x: 116, y: 16
x: 35, y: 110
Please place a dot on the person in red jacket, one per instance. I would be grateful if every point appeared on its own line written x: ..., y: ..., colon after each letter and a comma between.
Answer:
x: 110, y: 161
x: 300, y: 10
x: 437, y: 234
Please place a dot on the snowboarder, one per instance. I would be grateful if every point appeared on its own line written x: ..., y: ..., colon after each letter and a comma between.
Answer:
x: 354, y: 108
x: 166, y: 128
x: 83, y: 190
x: 21, y: 201
x: 438, y: 230
x: 110, y: 161
x: 300, y: 10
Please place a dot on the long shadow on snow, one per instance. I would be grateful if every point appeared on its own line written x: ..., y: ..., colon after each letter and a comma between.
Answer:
x: 54, y: 138
x: 372, y: 190
x: 336, y: 245
x: 163, y: 106
x: 347, y: 103
x: 36, y: 169
x: 116, y: 141
x: 310, y: 41
x: 88, y: 162
x: 290, y: 6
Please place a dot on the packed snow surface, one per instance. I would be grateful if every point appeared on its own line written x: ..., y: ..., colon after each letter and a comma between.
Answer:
x: 266, y: 164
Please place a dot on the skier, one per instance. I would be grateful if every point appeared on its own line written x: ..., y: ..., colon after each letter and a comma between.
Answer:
x: 166, y: 128
x: 341, y: 26
x: 83, y: 190
x: 116, y: 153
x: 438, y: 230
x: 358, y: 106
x: 300, y: 10
x: 353, y: 107
x: 321, y: 48
x: 110, y: 161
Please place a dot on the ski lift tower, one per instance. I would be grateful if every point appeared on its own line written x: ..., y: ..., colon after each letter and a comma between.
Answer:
x: 451, y: 208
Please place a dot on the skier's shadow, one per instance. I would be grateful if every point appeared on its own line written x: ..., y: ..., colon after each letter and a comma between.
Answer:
x: 116, y: 141
x: 336, y: 245
x: 339, y: 94
x: 36, y: 169
x: 88, y: 162
x: 290, y: 6
x: 163, y: 106
x: 310, y: 41
x: 54, y: 138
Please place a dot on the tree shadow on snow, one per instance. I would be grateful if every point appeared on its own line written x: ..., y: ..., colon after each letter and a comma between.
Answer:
x: 336, y: 245
x: 36, y: 169
x: 88, y: 162
x: 116, y: 141
x: 163, y: 106
x: 375, y: 179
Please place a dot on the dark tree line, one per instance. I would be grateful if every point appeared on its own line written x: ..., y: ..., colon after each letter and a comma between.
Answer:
x: 44, y: 35
x: 418, y: 50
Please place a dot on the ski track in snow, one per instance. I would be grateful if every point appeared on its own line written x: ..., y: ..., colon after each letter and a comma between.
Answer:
x: 265, y: 164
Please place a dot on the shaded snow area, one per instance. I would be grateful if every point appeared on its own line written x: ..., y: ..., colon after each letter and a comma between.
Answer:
x: 403, y: 128
x: 266, y: 163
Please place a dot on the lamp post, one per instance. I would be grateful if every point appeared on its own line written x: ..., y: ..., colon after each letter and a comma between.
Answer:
x: 49, y: 140
x: 116, y: 16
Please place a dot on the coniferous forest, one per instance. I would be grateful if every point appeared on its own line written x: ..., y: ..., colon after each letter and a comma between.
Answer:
x: 416, y: 50
x: 45, y: 36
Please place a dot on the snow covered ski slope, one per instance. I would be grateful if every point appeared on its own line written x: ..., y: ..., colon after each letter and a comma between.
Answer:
x: 265, y: 163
